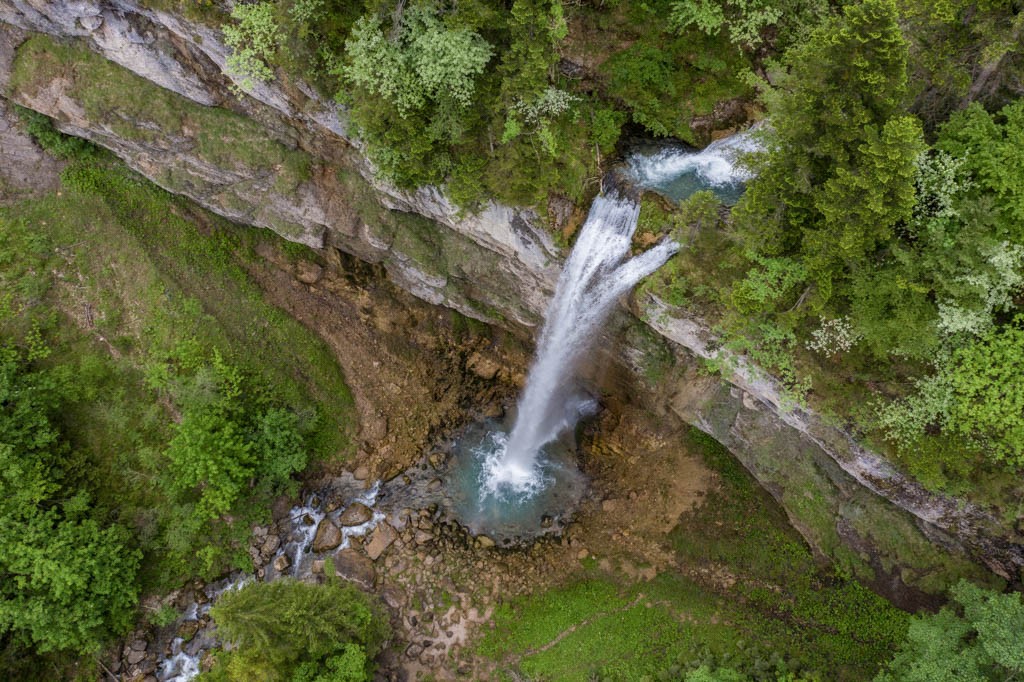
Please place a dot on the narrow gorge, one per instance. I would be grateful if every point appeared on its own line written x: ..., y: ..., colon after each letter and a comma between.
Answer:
x: 148, y: 83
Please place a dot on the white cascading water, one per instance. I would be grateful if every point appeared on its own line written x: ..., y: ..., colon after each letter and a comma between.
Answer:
x: 595, y: 276
x: 715, y: 165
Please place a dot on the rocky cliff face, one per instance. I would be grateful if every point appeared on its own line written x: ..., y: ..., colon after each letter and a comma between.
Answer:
x: 148, y: 86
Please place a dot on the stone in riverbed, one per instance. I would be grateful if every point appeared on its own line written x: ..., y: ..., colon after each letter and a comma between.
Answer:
x: 351, y: 565
x: 328, y: 536
x: 282, y: 563
x: 356, y: 515
x: 382, y: 537
x: 188, y: 629
x: 484, y: 542
x: 270, y: 545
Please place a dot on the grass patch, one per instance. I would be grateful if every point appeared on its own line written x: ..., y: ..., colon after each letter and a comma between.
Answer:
x: 120, y: 276
x: 782, y: 615
x: 137, y: 109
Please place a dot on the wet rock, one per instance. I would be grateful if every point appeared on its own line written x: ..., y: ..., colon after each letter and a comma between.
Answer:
x: 351, y: 565
x: 270, y: 545
x: 282, y: 563
x: 483, y: 367
x: 135, y: 657
x: 361, y: 473
x: 148, y: 666
x: 434, y: 485
x: 381, y: 538
x: 138, y: 645
x: 188, y: 629
x: 308, y: 273
x: 484, y: 542
x: 317, y: 568
x: 328, y: 536
x: 356, y: 515
x: 494, y: 411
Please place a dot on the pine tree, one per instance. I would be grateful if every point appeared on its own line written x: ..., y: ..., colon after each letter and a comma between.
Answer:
x: 838, y: 171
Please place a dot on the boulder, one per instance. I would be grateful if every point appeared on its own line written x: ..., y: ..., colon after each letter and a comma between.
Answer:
x: 282, y: 563
x: 188, y: 629
x: 351, y: 565
x: 328, y: 536
x: 270, y: 545
x: 356, y: 514
x: 393, y: 597
x: 381, y: 538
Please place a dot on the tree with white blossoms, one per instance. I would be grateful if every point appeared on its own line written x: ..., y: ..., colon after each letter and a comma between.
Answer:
x: 538, y: 115
x: 993, y: 291
x: 833, y: 336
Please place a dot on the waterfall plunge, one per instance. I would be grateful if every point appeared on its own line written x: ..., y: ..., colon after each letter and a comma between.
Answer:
x: 595, y: 276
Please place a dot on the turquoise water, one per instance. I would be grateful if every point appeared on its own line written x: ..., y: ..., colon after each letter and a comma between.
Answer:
x: 677, y: 171
x: 510, y: 515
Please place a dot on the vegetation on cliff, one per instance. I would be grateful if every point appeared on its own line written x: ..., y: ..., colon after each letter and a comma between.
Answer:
x: 878, y: 236
x: 874, y: 266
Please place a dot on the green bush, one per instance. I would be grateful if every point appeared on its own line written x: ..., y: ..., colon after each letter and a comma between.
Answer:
x: 69, y: 580
x: 62, y: 146
x: 979, y: 637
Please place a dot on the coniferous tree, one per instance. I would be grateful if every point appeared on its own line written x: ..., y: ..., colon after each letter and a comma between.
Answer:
x: 838, y: 172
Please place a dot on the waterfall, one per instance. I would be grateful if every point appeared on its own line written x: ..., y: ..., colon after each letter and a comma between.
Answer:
x: 596, y: 274
x: 716, y: 165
